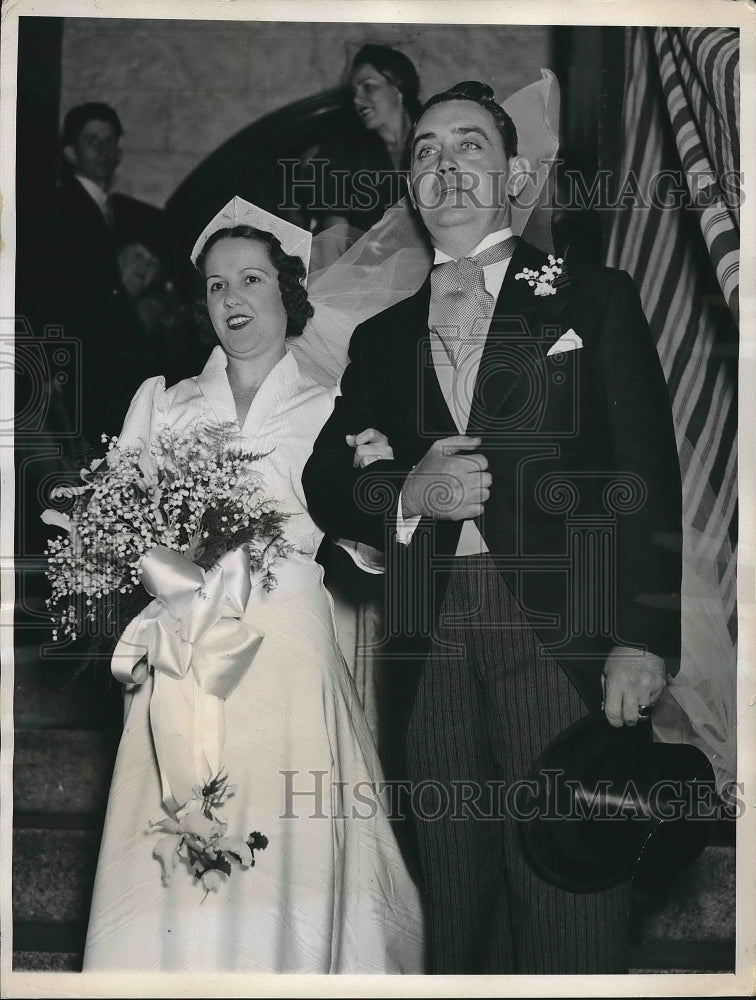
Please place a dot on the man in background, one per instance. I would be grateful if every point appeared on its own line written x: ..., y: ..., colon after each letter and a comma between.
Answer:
x: 70, y: 277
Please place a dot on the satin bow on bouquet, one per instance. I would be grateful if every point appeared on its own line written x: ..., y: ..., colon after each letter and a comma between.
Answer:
x: 189, y: 524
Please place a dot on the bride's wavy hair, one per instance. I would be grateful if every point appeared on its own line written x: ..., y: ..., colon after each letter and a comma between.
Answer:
x: 291, y: 275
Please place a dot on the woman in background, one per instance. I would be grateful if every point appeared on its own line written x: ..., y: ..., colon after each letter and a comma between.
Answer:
x: 365, y: 167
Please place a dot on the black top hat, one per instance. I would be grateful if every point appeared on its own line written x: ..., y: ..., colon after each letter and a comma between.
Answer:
x: 604, y: 804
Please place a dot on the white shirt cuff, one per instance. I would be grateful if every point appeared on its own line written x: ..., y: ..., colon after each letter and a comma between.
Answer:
x: 365, y: 557
x: 405, y: 529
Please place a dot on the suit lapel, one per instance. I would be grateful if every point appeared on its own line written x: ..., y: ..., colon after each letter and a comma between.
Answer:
x: 515, y: 321
x: 414, y: 380
x: 436, y: 417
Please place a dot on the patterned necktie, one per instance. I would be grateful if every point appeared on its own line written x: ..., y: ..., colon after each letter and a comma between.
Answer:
x: 460, y: 305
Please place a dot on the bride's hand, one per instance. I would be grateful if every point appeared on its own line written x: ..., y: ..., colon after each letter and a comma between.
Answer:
x: 369, y: 446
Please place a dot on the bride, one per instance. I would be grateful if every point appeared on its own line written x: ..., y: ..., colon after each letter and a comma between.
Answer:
x: 330, y: 893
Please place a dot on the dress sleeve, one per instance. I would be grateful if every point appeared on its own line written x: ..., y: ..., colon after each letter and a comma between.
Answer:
x: 141, y: 417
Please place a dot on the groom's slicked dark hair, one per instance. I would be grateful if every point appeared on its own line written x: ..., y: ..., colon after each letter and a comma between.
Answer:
x: 480, y: 93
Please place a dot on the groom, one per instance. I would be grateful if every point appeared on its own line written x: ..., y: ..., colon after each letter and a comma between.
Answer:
x: 529, y: 517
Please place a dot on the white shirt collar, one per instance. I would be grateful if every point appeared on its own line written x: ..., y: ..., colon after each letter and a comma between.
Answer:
x: 95, y: 192
x: 487, y: 241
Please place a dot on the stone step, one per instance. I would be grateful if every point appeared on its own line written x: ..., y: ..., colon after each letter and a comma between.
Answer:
x: 53, y: 871
x: 66, y: 684
x: 46, y: 961
x: 55, y: 693
x: 699, y: 905
x: 53, y: 874
x: 669, y: 957
x: 62, y: 771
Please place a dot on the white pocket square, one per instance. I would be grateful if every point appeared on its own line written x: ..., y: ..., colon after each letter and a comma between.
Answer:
x: 567, y: 342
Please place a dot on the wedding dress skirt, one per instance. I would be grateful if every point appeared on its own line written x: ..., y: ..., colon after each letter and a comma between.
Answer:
x: 330, y: 893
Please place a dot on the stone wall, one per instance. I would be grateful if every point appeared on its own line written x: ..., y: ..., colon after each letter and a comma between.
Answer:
x: 182, y: 88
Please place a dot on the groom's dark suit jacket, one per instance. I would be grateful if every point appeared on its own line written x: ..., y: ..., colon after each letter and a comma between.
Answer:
x: 585, y: 507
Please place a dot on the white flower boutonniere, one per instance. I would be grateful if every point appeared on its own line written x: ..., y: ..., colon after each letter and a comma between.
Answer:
x: 543, y: 282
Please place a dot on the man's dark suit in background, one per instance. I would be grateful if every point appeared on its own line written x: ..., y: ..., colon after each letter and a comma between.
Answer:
x: 93, y: 304
x: 68, y: 274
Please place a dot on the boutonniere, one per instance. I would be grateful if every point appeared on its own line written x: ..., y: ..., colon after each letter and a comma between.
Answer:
x: 546, y: 281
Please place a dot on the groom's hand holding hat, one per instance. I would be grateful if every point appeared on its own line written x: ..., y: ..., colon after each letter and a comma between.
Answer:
x: 632, y: 681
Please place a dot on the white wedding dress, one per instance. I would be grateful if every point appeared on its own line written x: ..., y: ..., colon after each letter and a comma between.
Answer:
x: 331, y: 892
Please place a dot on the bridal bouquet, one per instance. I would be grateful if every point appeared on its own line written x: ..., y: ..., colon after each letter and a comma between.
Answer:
x: 189, y: 524
x: 196, y: 495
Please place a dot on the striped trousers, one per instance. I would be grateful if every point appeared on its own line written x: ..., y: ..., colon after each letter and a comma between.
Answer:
x: 489, y: 700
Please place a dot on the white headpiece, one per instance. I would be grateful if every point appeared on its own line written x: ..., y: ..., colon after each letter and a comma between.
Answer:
x: 238, y: 212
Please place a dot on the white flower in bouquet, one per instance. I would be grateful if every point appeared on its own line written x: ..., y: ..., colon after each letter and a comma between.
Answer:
x: 199, y: 495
